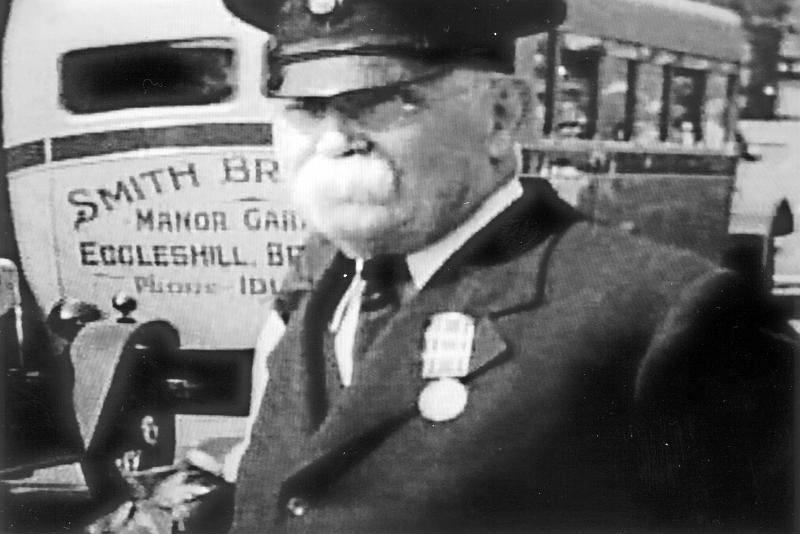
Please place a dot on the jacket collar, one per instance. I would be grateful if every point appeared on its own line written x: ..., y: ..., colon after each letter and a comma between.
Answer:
x: 424, y: 263
x: 529, y: 228
x: 527, y: 223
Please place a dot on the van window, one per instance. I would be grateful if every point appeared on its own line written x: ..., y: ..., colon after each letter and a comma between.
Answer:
x: 614, y: 78
x: 649, y: 84
x: 166, y: 73
x: 576, y: 99
x: 716, y: 111
x: 532, y: 61
x: 685, y: 105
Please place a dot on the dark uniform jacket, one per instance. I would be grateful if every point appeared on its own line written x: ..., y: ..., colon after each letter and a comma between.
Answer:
x: 613, y: 383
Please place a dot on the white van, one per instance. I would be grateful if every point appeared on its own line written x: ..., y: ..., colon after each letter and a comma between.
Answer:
x: 141, y: 170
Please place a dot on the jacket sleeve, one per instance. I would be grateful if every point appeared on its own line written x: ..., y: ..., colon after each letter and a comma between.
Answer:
x: 298, y: 282
x: 714, y: 410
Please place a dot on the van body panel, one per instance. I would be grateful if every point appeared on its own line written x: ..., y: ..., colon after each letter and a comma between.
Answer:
x: 31, y: 197
x: 95, y: 194
x: 40, y: 32
x: 179, y: 204
x: 201, y: 235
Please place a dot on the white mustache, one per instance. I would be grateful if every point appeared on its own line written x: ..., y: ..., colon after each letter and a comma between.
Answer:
x: 356, y: 179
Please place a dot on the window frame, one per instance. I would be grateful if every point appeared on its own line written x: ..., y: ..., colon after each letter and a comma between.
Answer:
x: 672, y: 65
x: 224, y: 44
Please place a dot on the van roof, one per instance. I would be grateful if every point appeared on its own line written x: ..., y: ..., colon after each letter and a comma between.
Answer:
x: 676, y: 25
x: 39, y: 32
x: 89, y: 23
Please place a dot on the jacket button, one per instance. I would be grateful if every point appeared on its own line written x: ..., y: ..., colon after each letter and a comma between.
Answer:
x: 297, y: 506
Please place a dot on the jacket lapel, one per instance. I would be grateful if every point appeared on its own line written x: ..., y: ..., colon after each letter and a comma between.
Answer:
x: 389, y: 378
x: 388, y: 382
x: 384, y: 395
x: 321, y: 304
x: 295, y: 398
x: 489, y: 349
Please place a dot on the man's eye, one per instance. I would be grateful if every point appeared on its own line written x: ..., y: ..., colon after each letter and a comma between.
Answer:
x: 364, y: 100
x: 309, y: 106
x: 410, y: 99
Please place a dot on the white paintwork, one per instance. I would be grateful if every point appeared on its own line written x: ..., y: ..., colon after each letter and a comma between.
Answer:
x: 41, y: 31
x: 46, y: 222
x: 215, y: 306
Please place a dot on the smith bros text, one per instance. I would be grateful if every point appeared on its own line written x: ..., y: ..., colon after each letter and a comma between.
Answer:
x: 142, y: 186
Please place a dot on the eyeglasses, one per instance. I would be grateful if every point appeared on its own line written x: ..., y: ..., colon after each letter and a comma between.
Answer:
x: 373, y: 109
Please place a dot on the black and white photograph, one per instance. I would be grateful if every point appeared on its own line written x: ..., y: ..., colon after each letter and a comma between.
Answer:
x: 399, y: 266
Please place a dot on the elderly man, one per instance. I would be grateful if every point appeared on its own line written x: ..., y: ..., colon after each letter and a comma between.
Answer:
x: 462, y: 352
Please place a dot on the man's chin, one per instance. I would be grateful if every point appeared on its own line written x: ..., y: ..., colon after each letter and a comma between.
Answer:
x: 356, y: 219
x: 358, y: 227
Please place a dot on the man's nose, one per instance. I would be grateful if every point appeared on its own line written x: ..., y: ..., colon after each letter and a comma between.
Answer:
x: 336, y: 139
x: 331, y: 143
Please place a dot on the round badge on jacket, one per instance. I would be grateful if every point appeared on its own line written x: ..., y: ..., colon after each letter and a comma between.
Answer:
x: 447, y: 350
x: 323, y: 7
x: 442, y: 400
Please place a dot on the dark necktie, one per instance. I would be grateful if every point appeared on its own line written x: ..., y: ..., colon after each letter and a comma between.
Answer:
x: 366, y: 305
x: 383, y: 277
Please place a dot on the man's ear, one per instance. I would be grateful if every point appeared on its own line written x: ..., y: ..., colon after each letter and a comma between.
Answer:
x: 511, y: 107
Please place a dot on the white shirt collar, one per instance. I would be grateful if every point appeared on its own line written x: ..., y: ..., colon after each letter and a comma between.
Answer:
x: 424, y: 263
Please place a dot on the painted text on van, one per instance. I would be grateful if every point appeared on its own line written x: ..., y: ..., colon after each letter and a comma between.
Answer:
x: 239, y: 169
x: 111, y: 255
x: 129, y: 190
x: 285, y: 220
x: 151, y: 284
x: 181, y: 221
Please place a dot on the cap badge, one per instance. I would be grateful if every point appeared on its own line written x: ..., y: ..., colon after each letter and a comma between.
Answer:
x: 323, y: 7
x: 445, y: 357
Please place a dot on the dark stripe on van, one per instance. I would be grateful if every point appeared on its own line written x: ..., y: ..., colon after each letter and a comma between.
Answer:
x: 697, y: 164
x: 24, y: 155
x: 633, y: 162
x: 97, y: 144
x: 100, y: 143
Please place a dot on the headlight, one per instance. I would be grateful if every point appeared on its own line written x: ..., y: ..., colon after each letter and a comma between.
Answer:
x: 69, y: 315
